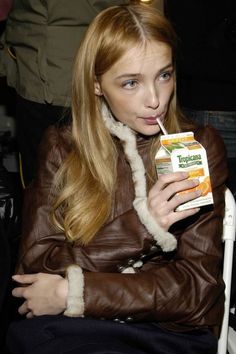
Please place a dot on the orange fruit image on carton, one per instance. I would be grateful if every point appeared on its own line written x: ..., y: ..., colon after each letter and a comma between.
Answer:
x: 181, y: 152
x: 205, y: 186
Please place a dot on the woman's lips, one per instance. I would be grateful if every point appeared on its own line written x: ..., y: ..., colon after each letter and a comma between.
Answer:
x: 152, y: 120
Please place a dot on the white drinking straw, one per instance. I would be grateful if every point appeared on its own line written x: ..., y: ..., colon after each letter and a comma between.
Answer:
x: 164, y: 131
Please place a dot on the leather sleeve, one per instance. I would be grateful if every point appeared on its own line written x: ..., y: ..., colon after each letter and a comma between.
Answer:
x: 42, y: 245
x: 186, y: 291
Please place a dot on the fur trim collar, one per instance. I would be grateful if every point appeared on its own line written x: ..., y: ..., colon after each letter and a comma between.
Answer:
x: 163, y: 238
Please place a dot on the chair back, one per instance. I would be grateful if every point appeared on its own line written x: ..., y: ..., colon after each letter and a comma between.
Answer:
x: 228, y: 237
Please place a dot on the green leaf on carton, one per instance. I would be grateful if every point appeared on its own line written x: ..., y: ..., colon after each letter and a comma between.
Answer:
x: 174, y: 146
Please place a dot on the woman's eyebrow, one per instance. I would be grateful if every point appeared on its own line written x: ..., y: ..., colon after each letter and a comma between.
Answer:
x: 130, y: 75
x: 168, y: 66
x: 127, y: 75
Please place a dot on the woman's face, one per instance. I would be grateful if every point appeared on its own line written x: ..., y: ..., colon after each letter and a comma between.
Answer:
x: 138, y: 87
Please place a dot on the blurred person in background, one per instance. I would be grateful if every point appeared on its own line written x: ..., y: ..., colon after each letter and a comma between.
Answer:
x: 36, y: 56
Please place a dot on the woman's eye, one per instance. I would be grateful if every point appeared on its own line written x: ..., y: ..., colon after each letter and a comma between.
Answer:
x: 129, y: 84
x: 166, y: 75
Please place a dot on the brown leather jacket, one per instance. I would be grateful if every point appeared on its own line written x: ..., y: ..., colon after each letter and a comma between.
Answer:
x: 181, y: 290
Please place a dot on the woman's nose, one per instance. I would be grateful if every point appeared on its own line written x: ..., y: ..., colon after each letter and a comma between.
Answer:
x: 152, y: 98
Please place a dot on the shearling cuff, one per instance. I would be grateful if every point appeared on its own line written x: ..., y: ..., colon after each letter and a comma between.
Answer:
x: 75, y: 297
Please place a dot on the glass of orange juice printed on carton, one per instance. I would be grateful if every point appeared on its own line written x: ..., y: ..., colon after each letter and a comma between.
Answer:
x: 181, y: 152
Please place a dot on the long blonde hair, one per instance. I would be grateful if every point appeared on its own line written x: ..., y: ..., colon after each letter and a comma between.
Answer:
x: 85, y: 183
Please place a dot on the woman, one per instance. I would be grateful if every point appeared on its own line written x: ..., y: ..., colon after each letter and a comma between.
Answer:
x: 140, y: 277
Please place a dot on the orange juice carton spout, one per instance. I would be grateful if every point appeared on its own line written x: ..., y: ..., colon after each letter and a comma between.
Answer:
x: 181, y: 152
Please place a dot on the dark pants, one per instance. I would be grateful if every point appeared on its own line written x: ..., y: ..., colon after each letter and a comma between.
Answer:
x: 32, y: 119
x: 60, y: 334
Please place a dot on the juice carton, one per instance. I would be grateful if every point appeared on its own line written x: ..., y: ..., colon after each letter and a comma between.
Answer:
x: 181, y: 152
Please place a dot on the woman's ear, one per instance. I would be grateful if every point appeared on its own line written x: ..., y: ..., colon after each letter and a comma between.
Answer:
x: 97, y: 89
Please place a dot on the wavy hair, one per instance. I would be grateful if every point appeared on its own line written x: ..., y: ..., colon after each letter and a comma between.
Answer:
x: 85, y: 183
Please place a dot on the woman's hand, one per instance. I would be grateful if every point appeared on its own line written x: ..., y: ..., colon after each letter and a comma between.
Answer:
x: 44, y: 294
x: 163, y: 198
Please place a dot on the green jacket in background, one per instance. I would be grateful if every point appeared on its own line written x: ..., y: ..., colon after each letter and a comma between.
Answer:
x: 40, y: 42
